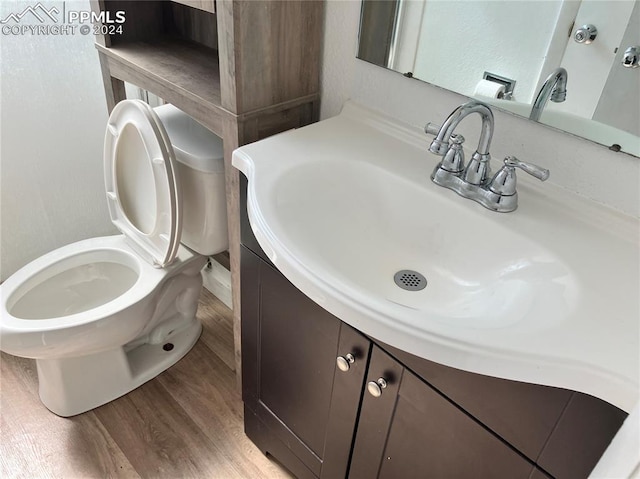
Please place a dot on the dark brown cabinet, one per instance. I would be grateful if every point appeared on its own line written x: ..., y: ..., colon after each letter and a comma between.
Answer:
x: 384, y: 413
x: 296, y: 400
x: 412, y: 431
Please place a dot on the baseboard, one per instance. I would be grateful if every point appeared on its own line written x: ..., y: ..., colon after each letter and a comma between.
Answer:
x: 217, y: 279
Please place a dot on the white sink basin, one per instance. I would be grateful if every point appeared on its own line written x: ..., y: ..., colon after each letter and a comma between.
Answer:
x: 547, y: 294
x: 381, y: 228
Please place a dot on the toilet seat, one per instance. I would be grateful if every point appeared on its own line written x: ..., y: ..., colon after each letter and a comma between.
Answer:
x: 143, y: 191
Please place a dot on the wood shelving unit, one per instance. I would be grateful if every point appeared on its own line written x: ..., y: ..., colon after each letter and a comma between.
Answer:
x: 245, y: 69
x: 179, y: 71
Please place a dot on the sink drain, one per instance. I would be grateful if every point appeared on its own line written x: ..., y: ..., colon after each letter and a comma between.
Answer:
x: 410, y: 280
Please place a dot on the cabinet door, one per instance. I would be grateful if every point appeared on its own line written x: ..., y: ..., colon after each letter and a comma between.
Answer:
x: 411, y: 431
x: 581, y: 436
x: 522, y: 414
x: 305, y: 405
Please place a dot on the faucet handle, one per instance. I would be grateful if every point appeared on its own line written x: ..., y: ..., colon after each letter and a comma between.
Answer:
x: 453, y: 159
x: 534, y: 170
x: 437, y: 147
x: 431, y: 129
x: 504, y: 181
x: 456, y: 140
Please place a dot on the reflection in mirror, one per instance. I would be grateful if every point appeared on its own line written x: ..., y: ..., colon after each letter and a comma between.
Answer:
x: 502, y: 52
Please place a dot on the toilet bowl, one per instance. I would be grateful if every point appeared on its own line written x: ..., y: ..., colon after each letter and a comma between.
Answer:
x: 104, y: 315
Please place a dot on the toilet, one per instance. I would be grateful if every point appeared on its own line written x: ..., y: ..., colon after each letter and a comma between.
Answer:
x: 104, y: 315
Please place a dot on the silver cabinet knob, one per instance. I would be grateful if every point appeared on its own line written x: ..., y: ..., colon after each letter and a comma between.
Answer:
x: 586, y: 34
x: 345, y: 362
x: 375, y: 387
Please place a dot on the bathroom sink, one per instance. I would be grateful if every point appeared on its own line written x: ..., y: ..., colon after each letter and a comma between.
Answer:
x: 381, y: 229
x: 547, y: 294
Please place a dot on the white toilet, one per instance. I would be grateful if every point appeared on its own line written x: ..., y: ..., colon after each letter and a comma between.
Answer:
x: 104, y: 315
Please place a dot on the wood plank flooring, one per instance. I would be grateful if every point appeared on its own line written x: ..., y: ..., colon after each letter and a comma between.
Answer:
x: 186, y: 423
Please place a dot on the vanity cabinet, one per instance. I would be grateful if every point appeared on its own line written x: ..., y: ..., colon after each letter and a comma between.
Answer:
x: 244, y: 69
x: 302, y: 409
x: 425, y: 420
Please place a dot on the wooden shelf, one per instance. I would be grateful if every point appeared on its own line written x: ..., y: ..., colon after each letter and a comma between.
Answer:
x: 181, y: 72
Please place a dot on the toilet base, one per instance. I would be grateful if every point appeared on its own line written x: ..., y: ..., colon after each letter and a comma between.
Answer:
x: 71, y: 386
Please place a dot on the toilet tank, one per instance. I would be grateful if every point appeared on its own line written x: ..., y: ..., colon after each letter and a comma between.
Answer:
x: 200, y: 168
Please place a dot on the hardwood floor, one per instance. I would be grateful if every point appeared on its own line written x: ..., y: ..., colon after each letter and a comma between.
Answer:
x: 186, y: 423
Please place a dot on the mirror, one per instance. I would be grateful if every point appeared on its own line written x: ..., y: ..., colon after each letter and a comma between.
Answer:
x: 502, y: 51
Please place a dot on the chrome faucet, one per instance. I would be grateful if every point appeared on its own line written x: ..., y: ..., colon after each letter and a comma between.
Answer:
x: 554, y: 88
x: 477, y: 172
x: 472, y: 182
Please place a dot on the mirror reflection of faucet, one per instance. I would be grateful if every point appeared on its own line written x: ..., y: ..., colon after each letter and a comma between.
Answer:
x: 473, y: 181
x: 554, y: 88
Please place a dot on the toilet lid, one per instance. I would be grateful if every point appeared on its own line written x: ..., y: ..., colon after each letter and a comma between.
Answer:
x: 143, y: 192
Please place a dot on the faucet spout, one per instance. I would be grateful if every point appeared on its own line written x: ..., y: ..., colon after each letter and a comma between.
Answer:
x: 554, y: 88
x: 440, y: 144
x: 478, y: 170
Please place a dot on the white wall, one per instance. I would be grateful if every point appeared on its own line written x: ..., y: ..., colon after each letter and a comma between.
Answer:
x: 576, y: 164
x: 485, y: 36
x: 53, y: 115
